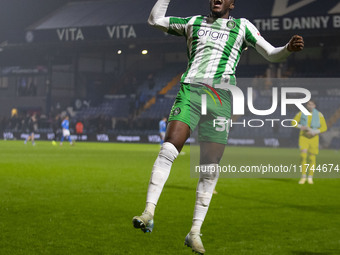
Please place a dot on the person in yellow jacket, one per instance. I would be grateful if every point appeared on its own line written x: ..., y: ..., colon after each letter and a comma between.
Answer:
x: 310, y: 127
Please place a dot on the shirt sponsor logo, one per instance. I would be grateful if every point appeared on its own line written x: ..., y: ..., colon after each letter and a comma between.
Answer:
x: 213, y: 34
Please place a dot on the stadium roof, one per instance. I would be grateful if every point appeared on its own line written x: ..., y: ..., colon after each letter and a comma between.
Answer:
x: 121, y: 19
x: 96, y: 13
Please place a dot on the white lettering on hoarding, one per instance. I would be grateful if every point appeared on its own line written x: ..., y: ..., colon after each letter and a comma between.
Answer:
x: 336, y: 21
x: 241, y: 141
x: 296, y: 23
x: 102, y: 137
x: 267, y: 24
x: 70, y: 34
x: 122, y: 138
x: 305, y: 23
x: 8, y: 135
x: 50, y: 136
x: 24, y: 136
x: 121, y: 32
x: 274, y: 142
x: 154, y: 138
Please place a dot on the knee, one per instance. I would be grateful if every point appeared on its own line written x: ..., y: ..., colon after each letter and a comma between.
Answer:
x: 175, y: 142
x: 303, y: 155
x: 312, y: 158
x: 167, y: 155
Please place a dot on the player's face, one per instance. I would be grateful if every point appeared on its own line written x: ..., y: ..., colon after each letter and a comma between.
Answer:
x: 221, y: 8
x: 310, y: 106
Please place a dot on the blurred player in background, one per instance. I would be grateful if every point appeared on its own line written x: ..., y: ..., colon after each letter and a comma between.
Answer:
x: 56, y: 123
x: 79, y: 130
x: 215, y: 44
x: 32, y: 125
x: 66, y: 131
x: 310, y: 127
x: 162, y: 129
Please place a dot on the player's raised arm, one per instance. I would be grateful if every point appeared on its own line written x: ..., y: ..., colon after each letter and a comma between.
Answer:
x: 268, y: 51
x: 271, y: 53
x: 171, y: 25
x: 157, y: 16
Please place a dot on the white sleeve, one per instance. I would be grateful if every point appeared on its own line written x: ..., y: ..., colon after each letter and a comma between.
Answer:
x: 271, y: 53
x: 157, y: 16
x: 172, y: 25
x: 253, y: 38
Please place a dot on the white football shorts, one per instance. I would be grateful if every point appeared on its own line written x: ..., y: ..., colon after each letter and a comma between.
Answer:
x: 66, y: 132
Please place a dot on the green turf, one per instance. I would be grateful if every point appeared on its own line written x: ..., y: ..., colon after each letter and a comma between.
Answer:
x: 81, y: 199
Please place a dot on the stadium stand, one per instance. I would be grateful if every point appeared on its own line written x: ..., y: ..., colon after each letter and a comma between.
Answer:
x: 118, y: 107
x: 71, y: 54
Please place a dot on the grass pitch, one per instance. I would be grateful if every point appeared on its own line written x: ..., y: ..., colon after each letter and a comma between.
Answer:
x: 81, y: 200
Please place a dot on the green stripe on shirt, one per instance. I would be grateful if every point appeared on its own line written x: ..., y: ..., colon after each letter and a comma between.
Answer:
x: 250, y: 38
x: 177, y: 21
x: 196, y: 27
x: 227, y: 51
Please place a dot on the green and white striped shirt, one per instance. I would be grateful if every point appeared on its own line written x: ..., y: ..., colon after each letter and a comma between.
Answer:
x: 214, y: 45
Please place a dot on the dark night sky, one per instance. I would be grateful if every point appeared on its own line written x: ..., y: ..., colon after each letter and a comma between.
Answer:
x: 16, y: 15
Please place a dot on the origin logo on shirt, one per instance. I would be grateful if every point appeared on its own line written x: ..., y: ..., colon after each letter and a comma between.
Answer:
x: 214, y: 35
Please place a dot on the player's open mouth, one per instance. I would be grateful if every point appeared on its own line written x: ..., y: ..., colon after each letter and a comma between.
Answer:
x: 217, y: 3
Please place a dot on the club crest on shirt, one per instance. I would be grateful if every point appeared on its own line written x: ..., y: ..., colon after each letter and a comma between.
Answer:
x: 177, y: 111
x: 231, y: 24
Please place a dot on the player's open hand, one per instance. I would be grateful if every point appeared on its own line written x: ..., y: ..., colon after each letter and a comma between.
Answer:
x: 296, y: 43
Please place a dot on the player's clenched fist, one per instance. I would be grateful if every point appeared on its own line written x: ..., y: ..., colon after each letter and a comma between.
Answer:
x: 296, y: 43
